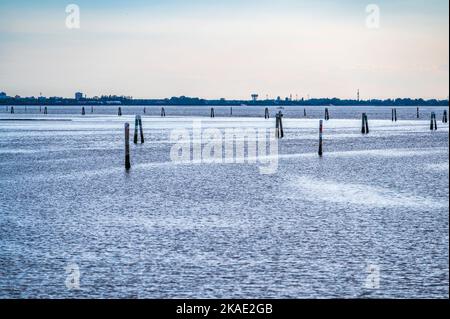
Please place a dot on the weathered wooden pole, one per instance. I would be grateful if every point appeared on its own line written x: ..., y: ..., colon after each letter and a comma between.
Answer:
x: 433, y: 123
x: 83, y: 112
x: 45, y: 110
x: 92, y: 109
x: 144, y: 110
x: 392, y: 115
x: 418, y: 113
x: 40, y: 109
x: 321, y: 138
x: 395, y: 114
x: 266, y: 113
x: 212, y: 113
x: 231, y: 111
x: 136, y: 124
x: 304, y: 112
x: 12, y: 109
x: 119, y: 112
x: 127, y: 146
x: 163, y: 112
x: 279, y: 125
x: 363, y: 128
x: 444, y: 117
x: 367, y: 123
x: 141, y: 130
x: 327, y: 114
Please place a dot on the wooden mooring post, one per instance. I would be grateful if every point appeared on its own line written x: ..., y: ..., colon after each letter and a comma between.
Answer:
x: 119, y: 111
x: 138, y: 125
x: 127, y: 146
x: 163, y: 112
x: 279, y: 125
x: 141, y: 130
x: 266, y: 113
x: 327, y: 114
x: 12, y: 109
x: 394, y: 115
x: 433, y: 123
x: 321, y: 138
x: 365, y: 124
x: 444, y: 117
x: 83, y: 112
x: 213, y: 115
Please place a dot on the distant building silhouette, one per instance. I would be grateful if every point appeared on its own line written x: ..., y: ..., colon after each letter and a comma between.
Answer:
x: 78, y: 96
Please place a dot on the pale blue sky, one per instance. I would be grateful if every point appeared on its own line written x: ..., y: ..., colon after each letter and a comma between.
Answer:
x: 226, y: 48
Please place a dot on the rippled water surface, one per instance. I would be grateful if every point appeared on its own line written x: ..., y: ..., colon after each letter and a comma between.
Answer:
x: 171, y: 230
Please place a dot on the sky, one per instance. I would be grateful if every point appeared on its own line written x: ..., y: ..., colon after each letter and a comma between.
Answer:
x: 226, y: 48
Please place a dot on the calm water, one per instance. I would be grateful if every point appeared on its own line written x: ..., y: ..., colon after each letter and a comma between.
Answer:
x: 166, y: 230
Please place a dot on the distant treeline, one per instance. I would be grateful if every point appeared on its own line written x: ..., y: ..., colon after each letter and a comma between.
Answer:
x: 118, y: 100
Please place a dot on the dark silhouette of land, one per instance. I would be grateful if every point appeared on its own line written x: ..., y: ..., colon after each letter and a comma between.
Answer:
x: 183, y: 100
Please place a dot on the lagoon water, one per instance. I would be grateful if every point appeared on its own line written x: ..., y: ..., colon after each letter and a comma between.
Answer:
x: 195, y: 230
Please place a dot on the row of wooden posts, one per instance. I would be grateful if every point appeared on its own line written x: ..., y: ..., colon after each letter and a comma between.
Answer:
x: 40, y: 109
x: 279, y: 131
x: 213, y: 115
x: 266, y: 113
x: 138, y: 128
x: 213, y: 112
x: 279, y: 124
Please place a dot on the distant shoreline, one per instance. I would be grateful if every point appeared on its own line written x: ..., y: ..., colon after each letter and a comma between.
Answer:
x: 186, y: 101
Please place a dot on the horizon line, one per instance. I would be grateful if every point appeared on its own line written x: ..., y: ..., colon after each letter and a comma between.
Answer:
x: 3, y: 95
